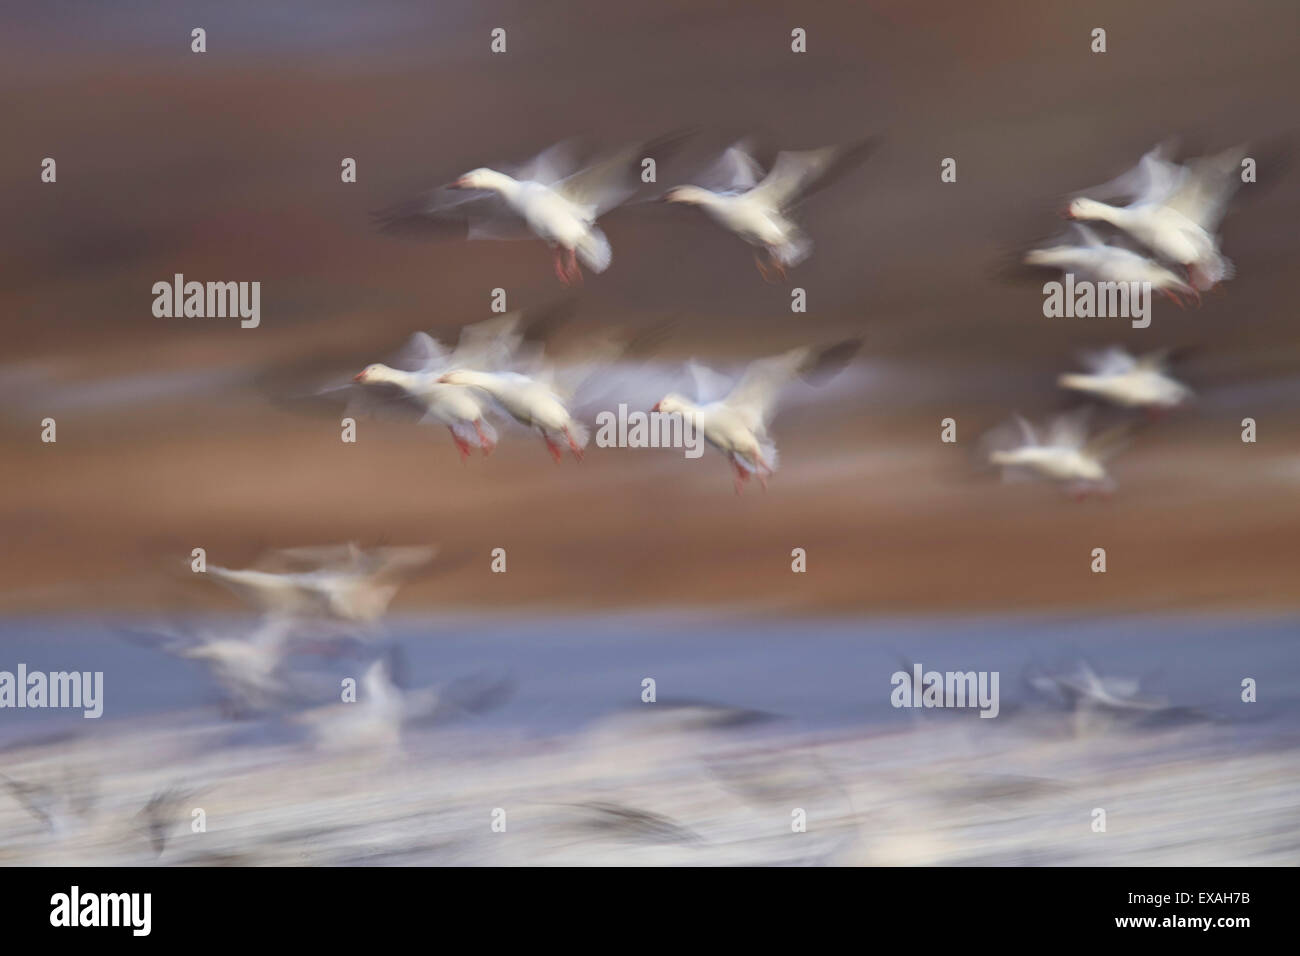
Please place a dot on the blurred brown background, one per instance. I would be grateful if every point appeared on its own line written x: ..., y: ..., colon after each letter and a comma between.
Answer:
x: 225, y: 166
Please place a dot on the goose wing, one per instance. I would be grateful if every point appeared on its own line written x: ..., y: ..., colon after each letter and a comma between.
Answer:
x: 755, y: 395
x: 797, y: 175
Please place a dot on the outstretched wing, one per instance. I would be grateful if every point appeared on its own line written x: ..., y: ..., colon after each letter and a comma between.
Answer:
x: 756, y: 393
x: 797, y: 175
x: 447, y: 214
x: 611, y: 180
x: 710, y: 386
x: 493, y: 343
x: 736, y: 170
x: 1203, y: 191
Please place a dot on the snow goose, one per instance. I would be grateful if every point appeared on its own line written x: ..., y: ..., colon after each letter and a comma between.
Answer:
x: 457, y: 408
x: 411, y: 392
x: 533, y: 402
x: 552, y: 198
x: 1066, y: 454
x: 539, y: 394
x: 1097, y: 261
x: 1118, y: 377
x: 384, y: 707
x: 1175, y: 209
x: 736, y: 424
x: 758, y: 207
x: 344, y: 583
x: 247, y: 667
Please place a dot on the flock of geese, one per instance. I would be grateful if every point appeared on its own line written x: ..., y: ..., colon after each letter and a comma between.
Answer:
x: 314, y: 598
x: 1165, y: 233
x: 322, y: 602
x: 331, y: 601
x: 496, y: 367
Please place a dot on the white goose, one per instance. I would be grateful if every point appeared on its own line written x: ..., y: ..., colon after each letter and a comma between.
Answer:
x: 550, y: 198
x: 542, y: 397
x: 736, y: 424
x: 248, y: 667
x: 1132, y: 382
x: 383, y: 708
x: 1175, y: 210
x: 533, y: 402
x: 757, y: 207
x: 346, y: 583
x: 1097, y: 261
x: 416, y: 393
x: 1066, y: 455
x: 457, y: 408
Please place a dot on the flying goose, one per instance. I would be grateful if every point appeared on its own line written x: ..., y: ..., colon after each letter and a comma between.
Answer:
x: 737, y: 424
x: 1090, y: 258
x: 1118, y: 377
x: 553, y: 197
x: 758, y: 206
x: 1175, y: 210
x: 1066, y: 454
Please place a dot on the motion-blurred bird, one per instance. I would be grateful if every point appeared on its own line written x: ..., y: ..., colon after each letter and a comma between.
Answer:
x: 249, y: 668
x: 1067, y: 454
x: 532, y: 402
x: 758, y: 207
x: 737, y: 424
x: 1175, y: 209
x: 553, y: 197
x: 384, y: 708
x: 540, y: 392
x: 1097, y: 261
x: 1118, y: 377
x: 343, y: 583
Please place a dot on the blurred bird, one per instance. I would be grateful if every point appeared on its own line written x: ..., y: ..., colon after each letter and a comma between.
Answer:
x: 736, y: 424
x: 384, y: 708
x: 158, y: 817
x: 532, y: 402
x: 59, y: 807
x: 1083, y: 688
x: 1066, y: 455
x: 1132, y: 382
x: 248, y: 668
x: 408, y: 390
x: 1175, y: 210
x: 737, y: 195
x: 457, y: 408
x: 552, y: 198
x: 342, y: 583
x: 1097, y: 261
x: 1087, y: 697
x: 539, y: 393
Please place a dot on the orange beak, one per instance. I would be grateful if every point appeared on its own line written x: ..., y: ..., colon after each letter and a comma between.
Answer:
x: 360, y: 376
x: 656, y: 408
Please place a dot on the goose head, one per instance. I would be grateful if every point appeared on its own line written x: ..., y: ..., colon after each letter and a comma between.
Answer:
x: 482, y: 178
x: 673, y: 403
x: 1083, y: 208
x: 372, y: 373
